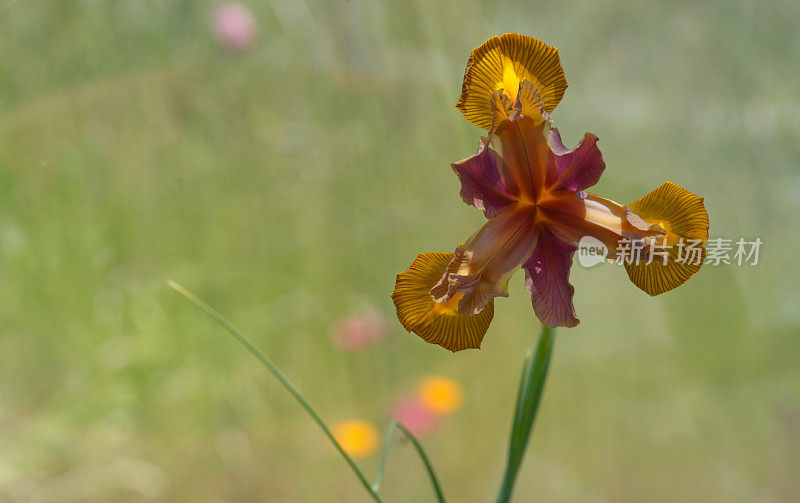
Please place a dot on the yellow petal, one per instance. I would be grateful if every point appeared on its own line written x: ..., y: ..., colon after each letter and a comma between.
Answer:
x: 437, y: 323
x: 502, y: 63
x: 684, y: 218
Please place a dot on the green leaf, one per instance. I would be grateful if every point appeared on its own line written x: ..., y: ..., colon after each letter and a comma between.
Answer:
x: 529, y: 395
x: 371, y: 488
x: 282, y: 378
x: 425, y: 460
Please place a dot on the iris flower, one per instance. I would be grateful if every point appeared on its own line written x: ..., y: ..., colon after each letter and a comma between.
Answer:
x: 532, y: 190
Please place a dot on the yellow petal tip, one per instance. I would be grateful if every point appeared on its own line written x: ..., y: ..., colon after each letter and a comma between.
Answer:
x: 437, y: 323
x: 684, y: 218
x: 503, y: 63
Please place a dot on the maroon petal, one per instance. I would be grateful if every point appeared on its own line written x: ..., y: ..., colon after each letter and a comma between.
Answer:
x: 481, y: 185
x: 580, y: 168
x: 547, y: 280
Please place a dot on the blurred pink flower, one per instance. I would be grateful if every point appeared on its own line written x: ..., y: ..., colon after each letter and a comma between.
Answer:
x: 358, y: 332
x: 415, y: 416
x: 234, y: 26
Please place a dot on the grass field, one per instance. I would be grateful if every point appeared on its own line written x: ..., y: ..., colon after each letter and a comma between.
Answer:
x: 287, y: 186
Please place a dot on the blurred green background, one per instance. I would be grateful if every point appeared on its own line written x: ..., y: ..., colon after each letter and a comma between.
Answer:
x: 288, y: 185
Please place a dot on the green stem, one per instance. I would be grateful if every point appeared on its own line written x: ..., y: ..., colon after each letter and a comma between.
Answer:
x: 279, y: 375
x: 425, y: 460
x: 529, y: 395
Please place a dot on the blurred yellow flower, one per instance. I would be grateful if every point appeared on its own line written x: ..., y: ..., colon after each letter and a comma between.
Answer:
x: 358, y: 438
x: 440, y: 394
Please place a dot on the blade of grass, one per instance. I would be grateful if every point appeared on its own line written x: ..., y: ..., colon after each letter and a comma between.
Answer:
x: 279, y: 375
x: 425, y: 460
x: 529, y: 395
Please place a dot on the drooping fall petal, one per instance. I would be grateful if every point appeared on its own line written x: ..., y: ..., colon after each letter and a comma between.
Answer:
x: 547, y: 280
x: 684, y: 218
x: 577, y: 169
x: 482, y: 265
x: 481, y: 185
x: 502, y: 63
x: 436, y: 322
